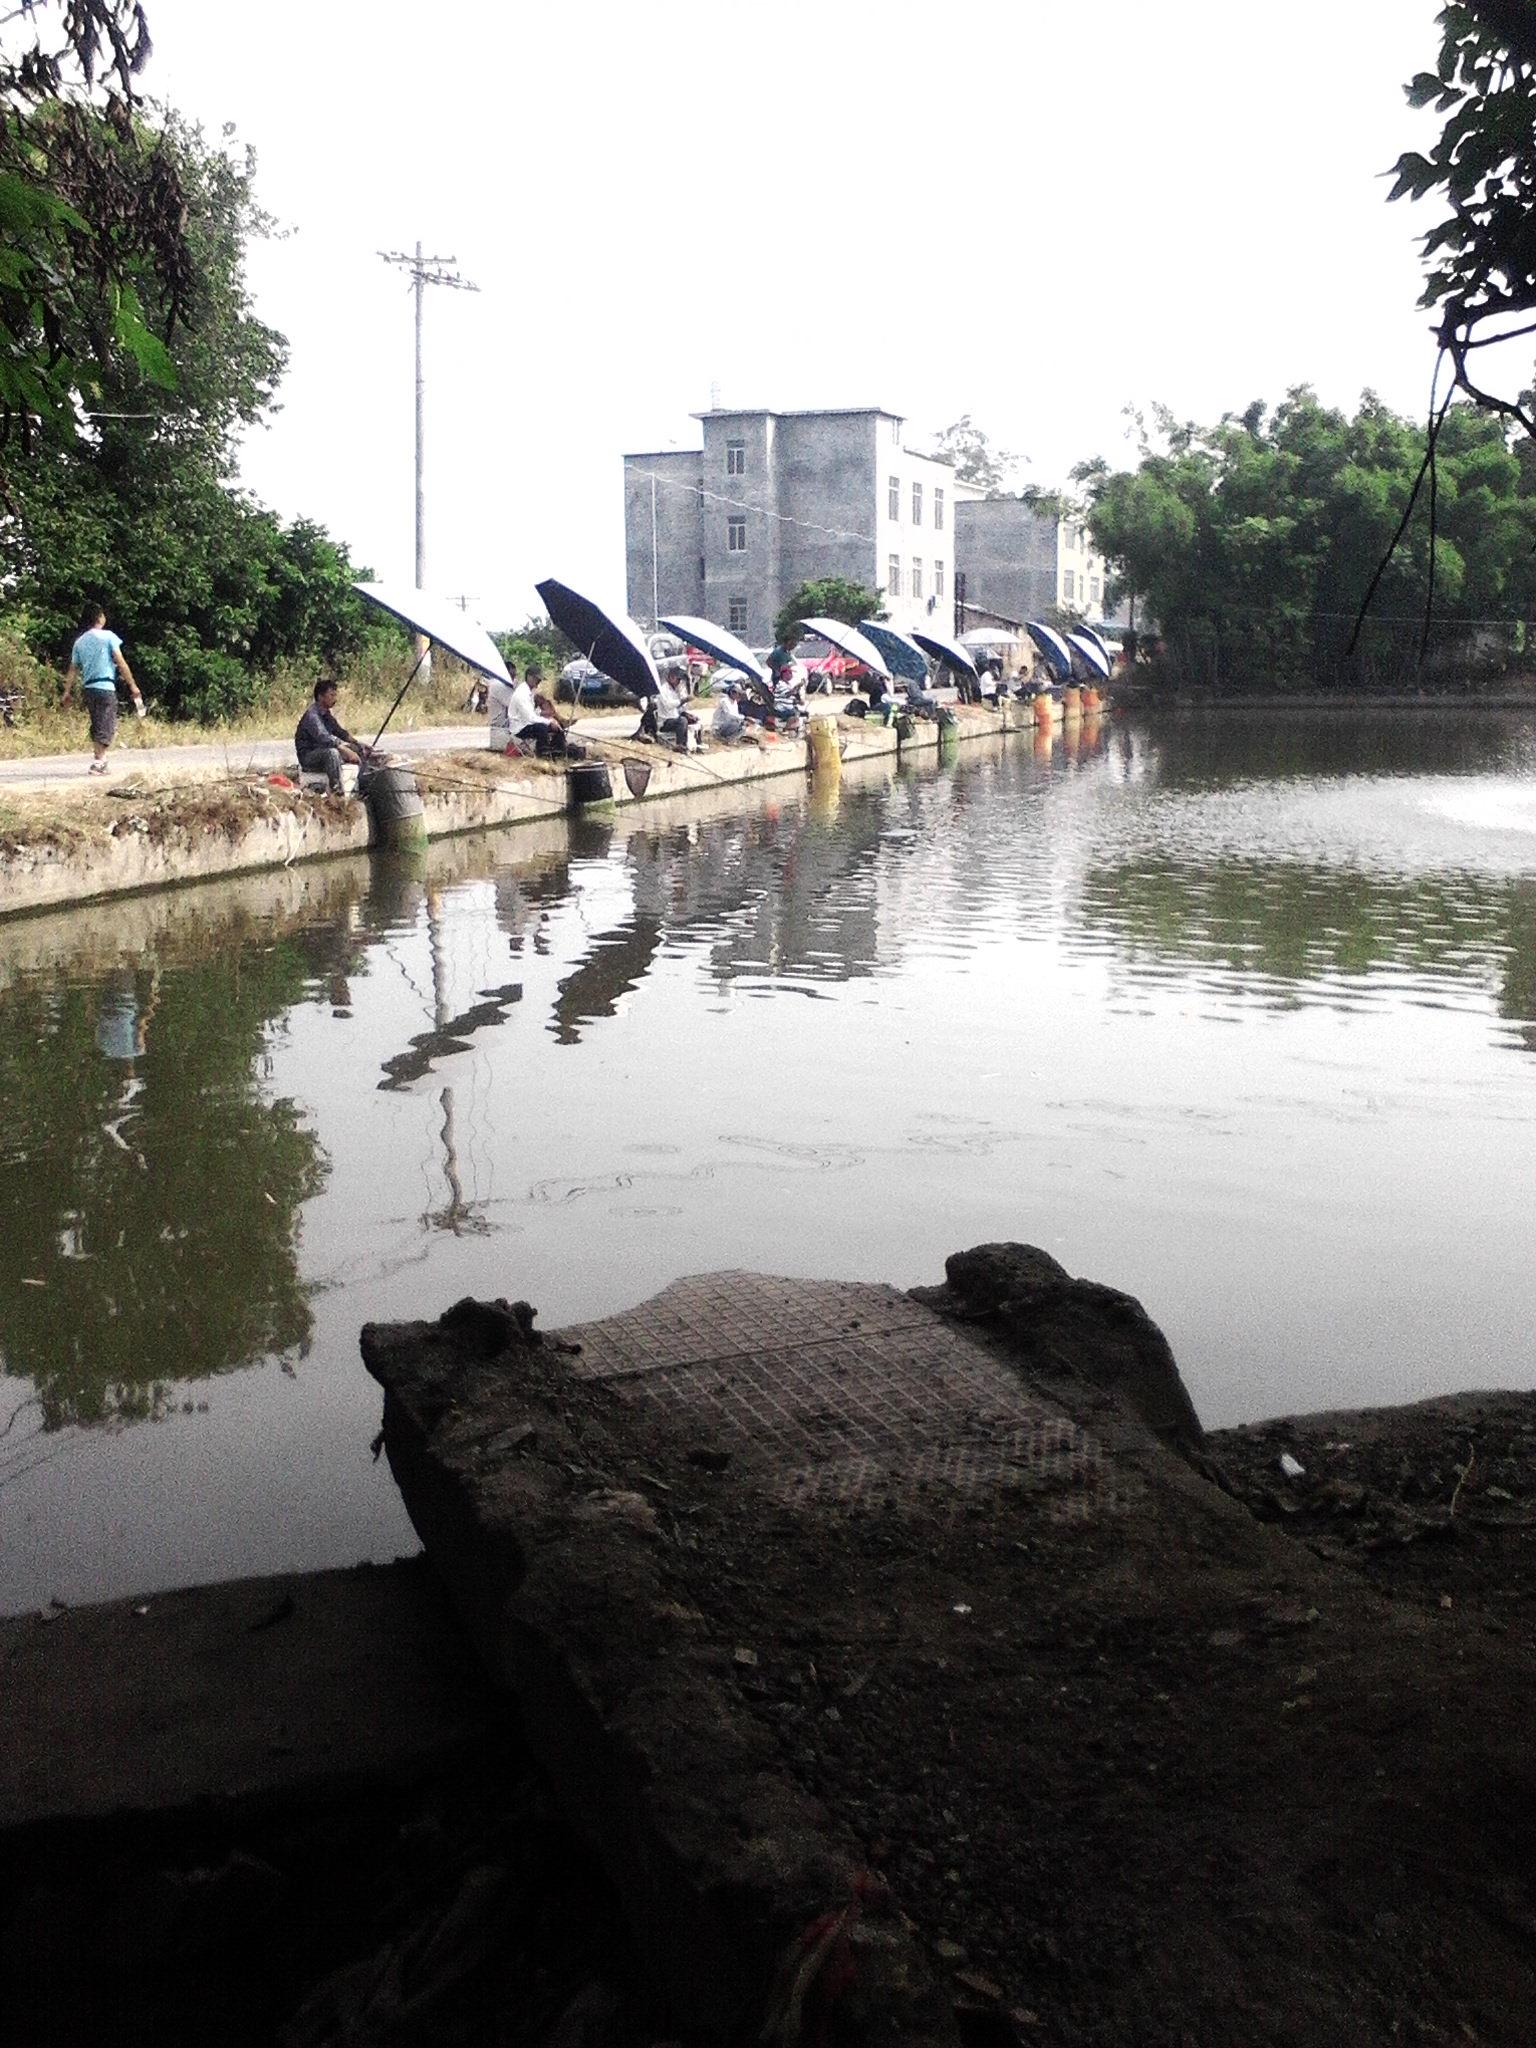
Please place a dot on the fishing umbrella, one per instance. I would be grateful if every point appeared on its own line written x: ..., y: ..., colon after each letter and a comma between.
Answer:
x: 439, y: 621
x: 1092, y: 633
x: 849, y: 640
x: 1091, y: 652
x: 903, y: 656
x: 609, y: 640
x: 1057, y: 653
x: 949, y: 652
x: 714, y: 641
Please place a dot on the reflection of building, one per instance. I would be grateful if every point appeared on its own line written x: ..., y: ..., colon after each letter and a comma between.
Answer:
x: 776, y: 499
x: 1023, y: 563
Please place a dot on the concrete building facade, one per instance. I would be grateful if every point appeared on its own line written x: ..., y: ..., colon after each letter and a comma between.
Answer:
x: 1026, y: 563
x: 776, y: 499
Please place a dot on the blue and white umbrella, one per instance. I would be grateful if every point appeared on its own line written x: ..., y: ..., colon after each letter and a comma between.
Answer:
x: 1092, y: 633
x: 850, y: 641
x: 903, y: 656
x: 949, y: 652
x: 1057, y: 653
x: 717, y: 643
x: 1091, y: 652
x: 610, y: 641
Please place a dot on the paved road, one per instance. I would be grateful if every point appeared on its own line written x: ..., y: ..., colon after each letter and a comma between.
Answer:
x: 46, y: 771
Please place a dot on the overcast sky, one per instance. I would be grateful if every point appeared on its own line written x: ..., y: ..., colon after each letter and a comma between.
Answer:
x: 1035, y: 214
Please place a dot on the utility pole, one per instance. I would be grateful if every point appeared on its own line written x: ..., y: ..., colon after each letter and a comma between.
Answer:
x: 422, y: 271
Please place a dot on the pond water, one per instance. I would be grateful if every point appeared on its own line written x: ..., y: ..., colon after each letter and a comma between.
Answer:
x: 1237, y: 1014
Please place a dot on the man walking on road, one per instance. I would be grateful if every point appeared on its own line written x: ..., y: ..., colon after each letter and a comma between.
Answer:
x: 98, y: 660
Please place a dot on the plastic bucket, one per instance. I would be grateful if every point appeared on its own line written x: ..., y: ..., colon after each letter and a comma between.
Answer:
x: 396, y: 814
x: 590, y: 783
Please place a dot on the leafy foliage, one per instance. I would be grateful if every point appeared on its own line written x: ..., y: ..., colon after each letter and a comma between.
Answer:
x: 138, y: 513
x: 91, y: 219
x: 1254, y: 542
x: 973, y: 457
x: 1482, y: 256
x: 826, y: 597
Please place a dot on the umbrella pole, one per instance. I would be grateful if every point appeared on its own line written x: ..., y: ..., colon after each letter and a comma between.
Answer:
x: 389, y: 714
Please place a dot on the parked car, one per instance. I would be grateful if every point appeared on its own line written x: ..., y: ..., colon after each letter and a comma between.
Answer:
x: 581, y: 683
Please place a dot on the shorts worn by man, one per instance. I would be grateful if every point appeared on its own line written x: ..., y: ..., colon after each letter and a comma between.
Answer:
x: 97, y: 659
x: 322, y: 742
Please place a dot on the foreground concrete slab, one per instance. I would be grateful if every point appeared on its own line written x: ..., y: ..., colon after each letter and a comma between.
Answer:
x: 917, y: 1681
x: 259, y: 1687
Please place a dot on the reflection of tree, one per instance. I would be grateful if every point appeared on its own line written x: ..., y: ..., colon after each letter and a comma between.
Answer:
x: 155, y: 1197
x: 1282, y: 923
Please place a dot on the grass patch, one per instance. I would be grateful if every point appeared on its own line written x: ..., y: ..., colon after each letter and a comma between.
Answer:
x: 368, y: 688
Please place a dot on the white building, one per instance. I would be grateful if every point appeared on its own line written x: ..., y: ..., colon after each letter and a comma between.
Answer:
x: 772, y: 500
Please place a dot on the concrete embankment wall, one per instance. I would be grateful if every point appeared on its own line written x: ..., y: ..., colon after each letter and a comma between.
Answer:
x: 138, y: 851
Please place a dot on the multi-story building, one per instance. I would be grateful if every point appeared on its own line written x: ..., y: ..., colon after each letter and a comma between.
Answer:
x: 776, y: 499
x: 1024, y: 563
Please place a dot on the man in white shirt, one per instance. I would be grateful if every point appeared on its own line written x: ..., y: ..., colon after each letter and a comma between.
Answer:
x: 727, y: 722
x: 517, y: 715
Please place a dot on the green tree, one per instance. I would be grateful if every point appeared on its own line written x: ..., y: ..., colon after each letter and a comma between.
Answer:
x: 91, y: 213
x: 974, y: 458
x: 1482, y: 255
x: 827, y: 597
x: 1255, y: 541
x: 139, y: 512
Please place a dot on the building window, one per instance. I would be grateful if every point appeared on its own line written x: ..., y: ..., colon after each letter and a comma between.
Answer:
x: 893, y: 498
x: 938, y: 579
x: 917, y: 577
x: 701, y: 568
x: 1068, y: 585
x: 938, y: 510
x: 896, y: 432
x: 1095, y: 590
x: 735, y: 458
x: 893, y: 576
x: 738, y: 618
x: 917, y: 504
x: 736, y: 536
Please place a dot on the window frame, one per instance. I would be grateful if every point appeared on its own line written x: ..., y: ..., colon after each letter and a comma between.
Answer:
x: 938, y: 508
x: 736, y: 615
x: 893, y: 576
x: 893, y: 500
x: 736, y: 533
x: 735, y: 458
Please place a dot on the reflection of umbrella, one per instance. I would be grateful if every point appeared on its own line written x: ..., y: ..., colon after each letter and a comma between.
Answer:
x: 851, y: 641
x: 1091, y: 652
x: 716, y: 642
x: 1092, y: 633
x: 903, y: 655
x: 988, y: 636
x: 610, y: 641
x: 950, y: 652
x: 1050, y: 643
x: 438, y: 620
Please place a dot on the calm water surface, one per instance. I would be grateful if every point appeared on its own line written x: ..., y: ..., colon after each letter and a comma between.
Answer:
x: 1240, y: 1016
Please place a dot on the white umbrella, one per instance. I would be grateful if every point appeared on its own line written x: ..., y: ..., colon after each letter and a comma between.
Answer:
x: 950, y: 652
x: 716, y: 642
x: 441, y: 621
x: 988, y: 636
x: 850, y: 641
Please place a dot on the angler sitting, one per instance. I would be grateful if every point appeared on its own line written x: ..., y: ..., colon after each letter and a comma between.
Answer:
x: 322, y: 742
x: 521, y: 712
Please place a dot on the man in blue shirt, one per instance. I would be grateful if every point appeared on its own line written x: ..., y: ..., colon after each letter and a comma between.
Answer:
x: 98, y: 660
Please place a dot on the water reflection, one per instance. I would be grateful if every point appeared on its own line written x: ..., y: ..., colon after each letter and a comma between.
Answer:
x: 143, y: 1166
x: 1191, y: 1019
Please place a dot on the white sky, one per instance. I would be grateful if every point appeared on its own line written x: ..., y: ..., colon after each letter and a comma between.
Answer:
x: 1033, y: 213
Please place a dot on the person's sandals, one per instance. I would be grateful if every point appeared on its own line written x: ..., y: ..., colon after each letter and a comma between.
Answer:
x: 98, y: 768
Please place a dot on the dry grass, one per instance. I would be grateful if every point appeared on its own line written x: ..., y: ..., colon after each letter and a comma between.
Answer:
x: 366, y: 695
